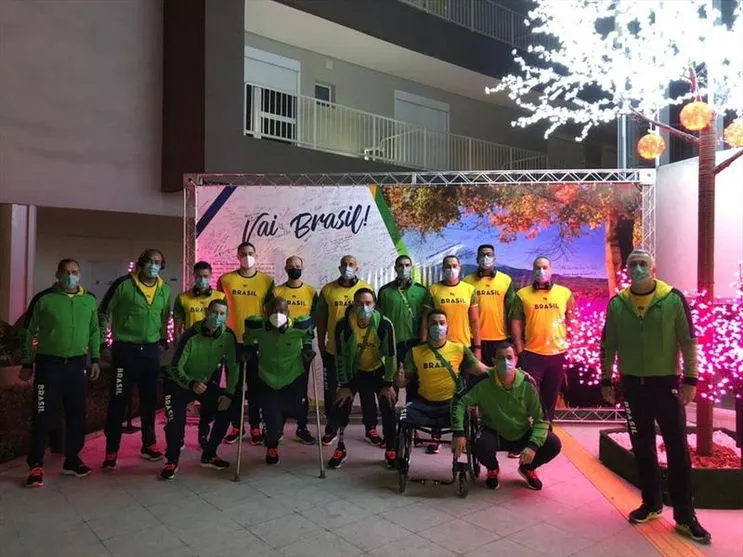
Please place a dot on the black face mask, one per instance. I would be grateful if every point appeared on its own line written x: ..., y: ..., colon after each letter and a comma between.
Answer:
x: 294, y: 274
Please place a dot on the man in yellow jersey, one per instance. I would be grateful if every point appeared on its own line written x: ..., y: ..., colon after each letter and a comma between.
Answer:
x: 190, y: 308
x: 459, y: 302
x: 334, y: 298
x: 302, y: 301
x: 436, y: 366
x: 540, y: 325
x: 495, y: 293
x: 246, y: 290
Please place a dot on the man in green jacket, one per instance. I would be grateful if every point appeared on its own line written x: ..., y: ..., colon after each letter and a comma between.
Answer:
x: 191, y: 376
x: 63, y: 318
x: 282, y: 347
x: 138, y: 305
x: 366, y: 361
x: 648, y: 325
x: 512, y: 417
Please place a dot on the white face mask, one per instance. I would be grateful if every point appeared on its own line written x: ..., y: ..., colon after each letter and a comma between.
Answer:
x: 451, y: 273
x: 278, y: 320
x: 247, y: 261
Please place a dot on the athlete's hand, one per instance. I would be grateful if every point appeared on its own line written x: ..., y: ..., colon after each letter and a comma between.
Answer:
x: 199, y: 388
x: 458, y: 444
x: 95, y: 371
x: 527, y: 456
x: 390, y: 394
x: 343, y: 395
x: 26, y: 373
x: 687, y: 393
x: 223, y: 403
x: 607, y: 393
x: 477, y: 353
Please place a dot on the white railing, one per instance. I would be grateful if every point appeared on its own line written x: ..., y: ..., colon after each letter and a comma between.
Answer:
x: 308, y: 122
x: 482, y: 16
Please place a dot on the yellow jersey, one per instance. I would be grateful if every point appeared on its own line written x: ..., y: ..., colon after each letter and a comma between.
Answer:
x: 302, y: 299
x: 543, y: 314
x: 435, y: 382
x: 190, y: 306
x: 641, y: 302
x: 148, y: 291
x: 494, y: 296
x: 332, y: 303
x: 246, y: 297
x: 456, y: 302
x: 368, y: 358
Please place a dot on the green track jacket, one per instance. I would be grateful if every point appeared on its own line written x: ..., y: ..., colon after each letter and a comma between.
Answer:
x: 132, y: 318
x: 346, y: 353
x: 404, y: 307
x: 199, y: 353
x: 279, y: 353
x: 509, y: 412
x: 649, y: 347
x: 66, y: 325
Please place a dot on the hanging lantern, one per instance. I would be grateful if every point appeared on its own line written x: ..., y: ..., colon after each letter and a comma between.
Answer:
x: 651, y: 146
x: 696, y: 116
x: 734, y: 134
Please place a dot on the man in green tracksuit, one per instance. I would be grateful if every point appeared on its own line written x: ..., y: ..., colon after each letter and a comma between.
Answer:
x: 512, y: 417
x: 191, y: 376
x: 64, y: 320
x: 282, y: 346
x: 647, y: 326
x: 366, y: 361
x: 138, y: 305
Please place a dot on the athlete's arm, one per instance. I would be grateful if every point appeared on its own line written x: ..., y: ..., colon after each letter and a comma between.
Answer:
x: 517, y: 324
x: 474, y: 316
x: 471, y: 365
x: 321, y: 321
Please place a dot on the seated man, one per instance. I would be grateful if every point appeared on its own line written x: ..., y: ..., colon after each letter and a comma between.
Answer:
x: 282, y: 346
x: 200, y: 350
x: 436, y: 365
x: 512, y: 416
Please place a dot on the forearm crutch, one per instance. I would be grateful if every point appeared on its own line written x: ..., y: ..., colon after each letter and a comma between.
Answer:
x: 243, y: 374
x: 317, y: 415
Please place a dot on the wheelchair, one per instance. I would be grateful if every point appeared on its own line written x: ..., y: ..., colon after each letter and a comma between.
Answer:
x: 463, y: 473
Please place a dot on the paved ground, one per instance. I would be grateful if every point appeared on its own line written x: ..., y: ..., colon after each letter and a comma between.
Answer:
x: 288, y: 511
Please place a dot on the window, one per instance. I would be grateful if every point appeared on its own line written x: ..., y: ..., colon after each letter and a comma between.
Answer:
x: 323, y: 94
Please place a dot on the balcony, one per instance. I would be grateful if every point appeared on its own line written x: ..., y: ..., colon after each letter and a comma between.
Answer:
x: 325, y: 126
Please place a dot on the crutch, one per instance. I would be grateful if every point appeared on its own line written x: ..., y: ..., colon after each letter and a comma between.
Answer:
x: 242, y: 422
x: 317, y: 415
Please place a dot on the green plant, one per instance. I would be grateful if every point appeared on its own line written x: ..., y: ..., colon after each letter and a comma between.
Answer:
x: 10, y: 344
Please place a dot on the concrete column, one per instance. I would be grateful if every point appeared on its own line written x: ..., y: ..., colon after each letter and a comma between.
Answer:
x: 17, y: 258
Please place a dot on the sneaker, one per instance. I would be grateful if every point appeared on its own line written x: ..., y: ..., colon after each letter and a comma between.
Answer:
x: 390, y: 458
x: 338, y: 458
x: 373, y: 437
x: 168, y: 471
x: 272, y: 456
x: 203, y: 441
x: 232, y: 437
x: 329, y: 437
x: 35, y: 477
x: 692, y: 529
x: 215, y: 463
x: 433, y: 448
x: 514, y: 454
x: 151, y: 453
x: 79, y: 469
x: 256, y: 436
x: 532, y: 480
x: 643, y: 514
x: 109, y: 463
x: 304, y: 436
x: 491, y: 482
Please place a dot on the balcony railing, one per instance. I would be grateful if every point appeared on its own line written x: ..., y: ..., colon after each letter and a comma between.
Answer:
x: 324, y: 126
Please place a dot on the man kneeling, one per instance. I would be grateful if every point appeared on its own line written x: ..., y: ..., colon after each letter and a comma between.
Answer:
x: 200, y: 350
x: 512, y: 416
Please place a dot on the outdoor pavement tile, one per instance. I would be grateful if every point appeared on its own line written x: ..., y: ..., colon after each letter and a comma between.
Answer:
x: 459, y: 536
x: 335, y: 514
x: 505, y: 547
x: 305, y: 498
x: 323, y: 544
x: 256, y: 510
x: 372, y: 533
x: 550, y: 540
x: 410, y: 546
x: 146, y: 542
x: 128, y: 521
x: 417, y: 517
x: 500, y: 520
x: 603, y: 520
x: 627, y: 543
x: 222, y: 541
x: 285, y: 530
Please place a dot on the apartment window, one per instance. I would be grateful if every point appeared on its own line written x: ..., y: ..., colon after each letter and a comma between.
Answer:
x: 324, y: 94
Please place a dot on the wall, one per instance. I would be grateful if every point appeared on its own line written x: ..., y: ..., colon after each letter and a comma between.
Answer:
x: 676, y: 224
x: 80, y: 105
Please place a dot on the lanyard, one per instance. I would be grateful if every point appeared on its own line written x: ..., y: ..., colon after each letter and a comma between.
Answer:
x: 446, y: 364
x: 405, y: 301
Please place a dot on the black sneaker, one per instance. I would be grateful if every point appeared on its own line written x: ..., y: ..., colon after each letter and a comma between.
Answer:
x: 256, y: 436
x: 532, y: 480
x: 643, y: 514
x: 390, y: 457
x: 109, y: 463
x: 35, y: 477
x: 491, y: 482
x: 232, y: 437
x: 304, y: 436
x: 433, y: 448
x: 79, y: 469
x: 272, y: 456
x: 373, y: 437
x: 692, y: 529
x: 151, y: 453
x: 215, y: 463
x: 338, y: 458
x: 168, y: 471
x: 329, y: 437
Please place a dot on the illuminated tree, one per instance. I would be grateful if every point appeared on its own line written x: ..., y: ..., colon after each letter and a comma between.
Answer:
x: 619, y: 57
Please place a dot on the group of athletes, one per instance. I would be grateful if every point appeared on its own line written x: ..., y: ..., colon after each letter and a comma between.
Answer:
x: 465, y: 341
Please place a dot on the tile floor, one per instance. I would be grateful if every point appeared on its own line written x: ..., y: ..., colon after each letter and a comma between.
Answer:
x: 288, y: 511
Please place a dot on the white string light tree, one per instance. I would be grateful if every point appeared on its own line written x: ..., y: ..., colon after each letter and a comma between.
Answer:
x: 618, y: 58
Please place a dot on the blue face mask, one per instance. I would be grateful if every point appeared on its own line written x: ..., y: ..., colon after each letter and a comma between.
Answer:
x: 69, y: 282
x: 404, y: 272
x: 437, y: 332
x: 202, y: 283
x: 364, y: 312
x: 504, y: 368
x: 542, y: 276
x: 639, y: 273
x: 349, y: 273
x: 151, y: 270
x: 215, y: 320
x: 486, y: 261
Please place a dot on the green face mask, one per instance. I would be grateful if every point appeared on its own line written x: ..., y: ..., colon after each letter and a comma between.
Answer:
x: 639, y: 273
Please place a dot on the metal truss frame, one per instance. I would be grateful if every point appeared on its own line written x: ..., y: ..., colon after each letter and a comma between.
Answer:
x: 590, y: 415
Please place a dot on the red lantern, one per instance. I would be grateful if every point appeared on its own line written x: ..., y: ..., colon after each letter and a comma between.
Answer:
x: 734, y: 134
x: 696, y: 116
x: 651, y: 146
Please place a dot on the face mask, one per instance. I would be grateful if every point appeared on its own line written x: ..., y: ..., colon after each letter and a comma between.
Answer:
x: 69, y: 282
x: 216, y: 320
x: 278, y: 320
x: 247, y: 261
x: 151, y: 270
x: 486, y: 262
x: 451, y: 274
x: 294, y: 274
x: 403, y: 272
x: 639, y: 274
x: 202, y: 283
x: 437, y: 332
x: 542, y: 276
x: 364, y: 312
x: 349, y: 273
x: 504, y: 368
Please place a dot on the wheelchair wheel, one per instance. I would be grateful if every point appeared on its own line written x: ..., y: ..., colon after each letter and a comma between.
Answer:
x: 462, y: 483
x: 472, y: 428
x: 404, y: 442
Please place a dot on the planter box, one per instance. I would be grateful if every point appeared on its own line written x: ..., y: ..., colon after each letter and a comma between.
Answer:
x: 713, y: 488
